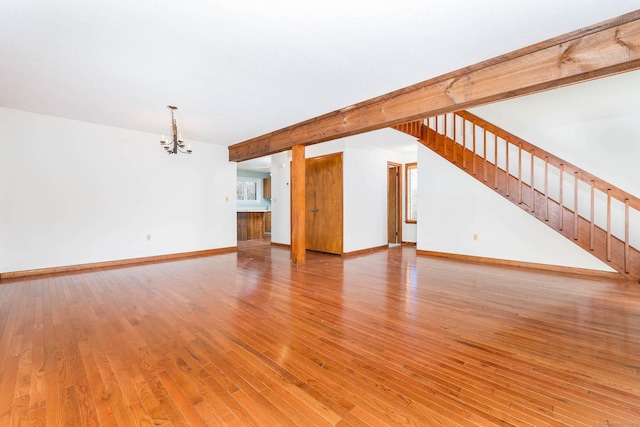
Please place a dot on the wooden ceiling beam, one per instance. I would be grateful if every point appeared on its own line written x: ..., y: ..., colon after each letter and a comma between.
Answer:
x: 604, y: 49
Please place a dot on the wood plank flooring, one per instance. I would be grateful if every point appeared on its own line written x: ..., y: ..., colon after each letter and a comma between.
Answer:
x: 385, y: 338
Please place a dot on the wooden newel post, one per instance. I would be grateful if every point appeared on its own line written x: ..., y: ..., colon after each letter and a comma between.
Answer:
x: 298, y: 206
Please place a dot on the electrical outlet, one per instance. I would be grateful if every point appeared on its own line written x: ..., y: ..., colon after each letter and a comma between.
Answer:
x: 475, y: 236
x: 226, y: 198
x: 148, y: 236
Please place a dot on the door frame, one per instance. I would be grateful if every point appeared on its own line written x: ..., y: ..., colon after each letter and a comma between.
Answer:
x: 398, y: 189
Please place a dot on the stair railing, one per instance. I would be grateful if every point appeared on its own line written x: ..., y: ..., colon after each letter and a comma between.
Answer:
x: 581, y: 206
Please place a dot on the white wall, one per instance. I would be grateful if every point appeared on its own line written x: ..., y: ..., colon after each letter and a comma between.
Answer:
x: 75, y: 192
x: 453, y: 206
x: 365, y: 197
x: 365, y: 186
x: 280, y: 198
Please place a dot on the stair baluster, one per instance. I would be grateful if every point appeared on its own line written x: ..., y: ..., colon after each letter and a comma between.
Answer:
x: 533, y: 182
x: 575, y: 206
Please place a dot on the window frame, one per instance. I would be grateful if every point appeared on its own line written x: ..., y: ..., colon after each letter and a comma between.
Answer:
x: 409, y: 193
x: 253, y: 180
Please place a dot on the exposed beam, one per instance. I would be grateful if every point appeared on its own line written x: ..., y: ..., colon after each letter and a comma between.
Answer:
x: 604, y: 49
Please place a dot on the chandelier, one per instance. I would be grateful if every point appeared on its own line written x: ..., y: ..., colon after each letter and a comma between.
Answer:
x: 176, y: 145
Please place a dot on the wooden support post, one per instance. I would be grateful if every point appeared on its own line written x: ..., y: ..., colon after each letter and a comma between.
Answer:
x: 298, y: 206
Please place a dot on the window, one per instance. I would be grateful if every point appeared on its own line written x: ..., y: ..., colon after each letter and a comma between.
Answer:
x: 248, y: 189
x: 411, y: 199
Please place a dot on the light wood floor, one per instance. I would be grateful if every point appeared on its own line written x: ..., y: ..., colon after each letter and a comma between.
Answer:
x: 379, y: 339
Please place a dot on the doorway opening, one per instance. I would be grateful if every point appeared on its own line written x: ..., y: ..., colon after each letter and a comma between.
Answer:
x: 394, y: 205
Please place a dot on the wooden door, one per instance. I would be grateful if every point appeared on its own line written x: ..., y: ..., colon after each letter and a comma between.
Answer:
x: 394, y: 207
x: 324, y: 192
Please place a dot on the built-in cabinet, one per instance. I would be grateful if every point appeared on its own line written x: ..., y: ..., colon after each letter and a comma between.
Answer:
x: 253, y: 225
x: 267, y: 222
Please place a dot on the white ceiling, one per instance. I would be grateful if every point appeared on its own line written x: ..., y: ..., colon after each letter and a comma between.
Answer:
x: 239, y: 69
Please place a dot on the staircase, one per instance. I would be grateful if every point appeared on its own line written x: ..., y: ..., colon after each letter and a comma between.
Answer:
x: 592, y: 213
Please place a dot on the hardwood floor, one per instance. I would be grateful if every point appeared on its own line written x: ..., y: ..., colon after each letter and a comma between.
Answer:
x: 246, y: 244
x: 380, y: 339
